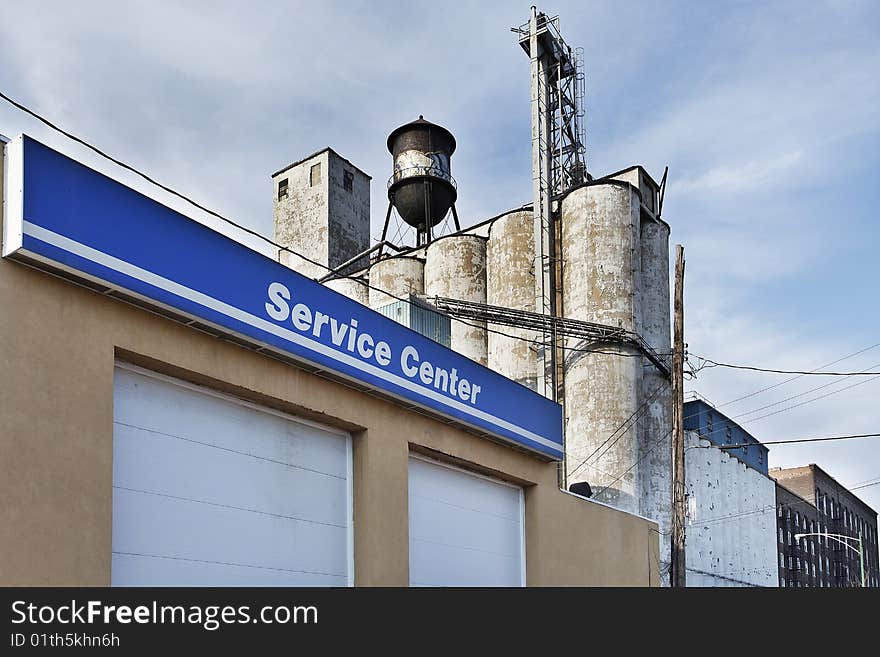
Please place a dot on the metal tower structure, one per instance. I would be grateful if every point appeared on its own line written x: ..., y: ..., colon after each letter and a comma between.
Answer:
x: 558, y: 163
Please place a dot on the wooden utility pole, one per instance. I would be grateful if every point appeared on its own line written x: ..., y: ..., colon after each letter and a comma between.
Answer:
x: 677, y: 572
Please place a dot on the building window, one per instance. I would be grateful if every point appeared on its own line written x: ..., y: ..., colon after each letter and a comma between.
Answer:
x: 709, y: 424
x: 760, y: 457
x: 781, y: 560
x: 348, y: 180
x: 779, y: 510
x: 727, y: 434
x: 282, y: 189
x: 315, y: 175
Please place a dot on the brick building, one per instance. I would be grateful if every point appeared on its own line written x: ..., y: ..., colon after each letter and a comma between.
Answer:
x: 809, y: 500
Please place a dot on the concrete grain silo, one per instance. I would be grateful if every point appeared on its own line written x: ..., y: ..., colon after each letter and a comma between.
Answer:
x: 455, y: 267
x: 400, y: 276
x: 654, y: 426
x: 351, y: 288
x: 510, y: 283
x: 600, y: 253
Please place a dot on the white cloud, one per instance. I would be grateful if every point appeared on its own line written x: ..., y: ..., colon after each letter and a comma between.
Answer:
x: 726, y: 179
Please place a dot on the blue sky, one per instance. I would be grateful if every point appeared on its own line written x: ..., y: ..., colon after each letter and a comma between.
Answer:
x: 765, y: 112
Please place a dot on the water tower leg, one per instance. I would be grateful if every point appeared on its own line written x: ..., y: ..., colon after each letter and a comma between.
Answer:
x: 455, y: 218
x: 385, y: 228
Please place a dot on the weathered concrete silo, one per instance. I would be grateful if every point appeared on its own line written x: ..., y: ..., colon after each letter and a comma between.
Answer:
x: 351, y: 288
x: 600, y: 253
x: 455, y: 268
x: 510, y: 283
x: 654, y: 426
x: 400, y: 276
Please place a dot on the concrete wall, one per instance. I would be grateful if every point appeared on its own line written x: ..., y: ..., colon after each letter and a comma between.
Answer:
x: 600, y: 256
x: 349, y: 214
x: 324, y: 222
x: 58, y: 350
x: 731, y: 531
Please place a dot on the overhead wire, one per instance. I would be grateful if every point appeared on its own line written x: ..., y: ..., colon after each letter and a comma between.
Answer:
x: 245, y: 229
x: 712, y: 363
x: 801, y: 394
x: 643, y: 408
x: 789, y: 442
x: 281, y: 247
x: 789, y: 380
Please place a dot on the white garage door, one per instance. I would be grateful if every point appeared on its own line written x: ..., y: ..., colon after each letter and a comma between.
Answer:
x: 464, y: 529
x: 209, y: 490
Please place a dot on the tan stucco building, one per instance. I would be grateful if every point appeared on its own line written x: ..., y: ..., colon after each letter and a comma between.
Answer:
x: 68, y: 354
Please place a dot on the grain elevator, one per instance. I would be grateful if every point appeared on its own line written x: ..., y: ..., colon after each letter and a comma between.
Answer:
x: 567, y: 295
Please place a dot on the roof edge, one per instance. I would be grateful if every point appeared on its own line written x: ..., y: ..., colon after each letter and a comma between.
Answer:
x: 326, y: 149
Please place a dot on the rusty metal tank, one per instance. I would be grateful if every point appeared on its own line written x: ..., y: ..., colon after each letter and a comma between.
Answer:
x: 422, y: 188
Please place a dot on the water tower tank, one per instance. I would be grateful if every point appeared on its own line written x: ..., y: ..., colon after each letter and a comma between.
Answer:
x: 422, y: 188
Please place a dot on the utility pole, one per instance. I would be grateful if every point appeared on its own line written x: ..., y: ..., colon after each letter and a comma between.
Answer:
x: 677, y: 572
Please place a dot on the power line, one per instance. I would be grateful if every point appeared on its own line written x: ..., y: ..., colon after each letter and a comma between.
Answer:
x: 756, y: 392
x: 787, y: 442
x: 260, y: 236
x: 808, y: 401
x: 271, y: 242
x: 712, y: 363
x: 727, y: 423
x: 654, y: 445
x: 641, y: 410
x: 801, y: 394
x: 781, y: 383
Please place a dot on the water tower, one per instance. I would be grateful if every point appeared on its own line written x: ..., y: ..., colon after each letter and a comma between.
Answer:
x: 422, y: 188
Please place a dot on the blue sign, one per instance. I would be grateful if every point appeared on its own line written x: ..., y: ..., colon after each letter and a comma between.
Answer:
x: 64, y: 215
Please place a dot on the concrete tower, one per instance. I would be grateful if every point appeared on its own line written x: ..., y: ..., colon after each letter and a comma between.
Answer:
x: 615, y: 252
x: 455, y: 267
x: 322, y: 210
x: 600, y: 254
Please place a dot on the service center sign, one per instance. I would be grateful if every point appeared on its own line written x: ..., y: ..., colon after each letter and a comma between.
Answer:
x: 68, y: 216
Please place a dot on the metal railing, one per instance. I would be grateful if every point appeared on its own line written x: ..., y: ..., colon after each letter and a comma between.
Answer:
x: 421, y: 172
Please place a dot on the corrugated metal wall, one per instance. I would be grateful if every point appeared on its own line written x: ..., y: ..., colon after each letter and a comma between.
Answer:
x: 419, y: 318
